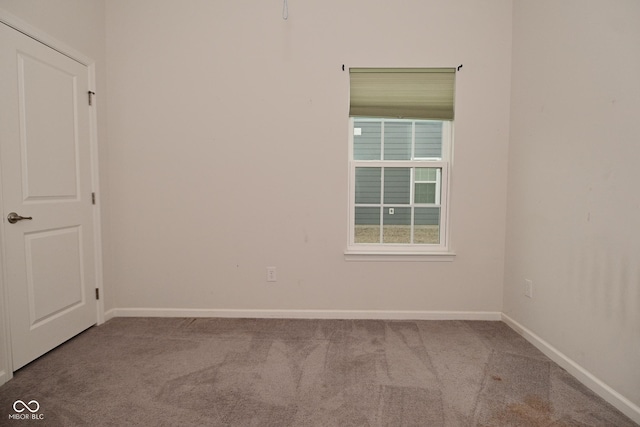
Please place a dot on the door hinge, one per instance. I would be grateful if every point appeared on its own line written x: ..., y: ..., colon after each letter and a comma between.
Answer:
x: 97, y: 293
x: 91, y: 93
x: 93, y: 198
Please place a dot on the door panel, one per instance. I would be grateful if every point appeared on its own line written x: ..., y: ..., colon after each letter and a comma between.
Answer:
x: 54, y: 273
x: 48, y: 96
x: 45, y: 165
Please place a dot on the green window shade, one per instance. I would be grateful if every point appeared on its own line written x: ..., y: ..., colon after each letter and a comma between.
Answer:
x: 415, y: 93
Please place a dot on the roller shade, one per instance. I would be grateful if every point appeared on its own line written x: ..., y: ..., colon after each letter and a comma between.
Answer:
x: 413, y: 93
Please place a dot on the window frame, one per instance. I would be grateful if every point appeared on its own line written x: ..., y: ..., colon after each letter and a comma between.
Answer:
x: 403, y: 251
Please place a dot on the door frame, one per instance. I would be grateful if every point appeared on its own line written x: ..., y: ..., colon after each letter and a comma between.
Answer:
x: 6, y: 362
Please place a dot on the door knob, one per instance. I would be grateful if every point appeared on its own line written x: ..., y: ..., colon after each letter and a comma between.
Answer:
x: 14, y: 217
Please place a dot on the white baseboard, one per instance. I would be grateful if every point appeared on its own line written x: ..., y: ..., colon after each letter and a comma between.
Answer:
x: 305, y: 314
x: 623, y: 404
x: 5, y: 376
x: 109, y: 314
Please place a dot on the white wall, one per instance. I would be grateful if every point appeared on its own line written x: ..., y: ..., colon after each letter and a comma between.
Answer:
x: 573, y: 222
x: 228, y: 152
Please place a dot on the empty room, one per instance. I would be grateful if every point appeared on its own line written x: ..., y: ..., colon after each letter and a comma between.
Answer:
x: 292, y: 213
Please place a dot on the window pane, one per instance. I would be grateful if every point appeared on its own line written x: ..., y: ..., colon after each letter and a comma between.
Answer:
x: 426, y: 227
x: 368, y: 185
x: 397, y: 140
x: 397, y: 225
x: 425, y: 192
x: 367, y: 225
x: 426, y: 174
x: 397, y: 185
x: 367, y: 145
x: 428, y: 139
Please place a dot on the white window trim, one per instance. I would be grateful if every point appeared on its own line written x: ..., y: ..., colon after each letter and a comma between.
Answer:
x: 380, y: 256
x: 402, y: 252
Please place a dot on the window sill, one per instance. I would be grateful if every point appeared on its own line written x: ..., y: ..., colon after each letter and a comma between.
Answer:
x: 360, y: 255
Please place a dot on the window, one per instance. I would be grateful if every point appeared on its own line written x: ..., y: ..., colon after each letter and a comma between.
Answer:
x: 399, y: 167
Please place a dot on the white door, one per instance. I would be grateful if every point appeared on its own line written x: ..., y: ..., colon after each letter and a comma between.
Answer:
x: 45, y: 165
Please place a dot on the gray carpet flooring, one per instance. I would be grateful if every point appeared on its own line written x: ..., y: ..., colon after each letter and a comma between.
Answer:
x: 273, y: 372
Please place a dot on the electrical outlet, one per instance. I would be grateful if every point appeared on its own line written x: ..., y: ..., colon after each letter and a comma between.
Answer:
x: 528, y: 288
x: 271, y: 274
